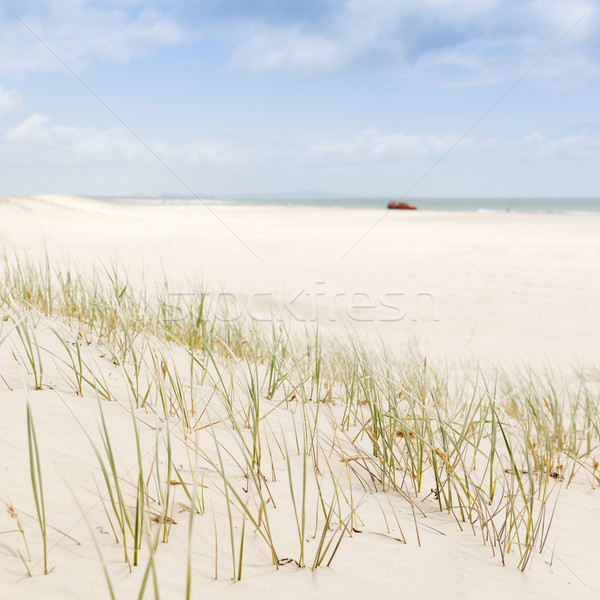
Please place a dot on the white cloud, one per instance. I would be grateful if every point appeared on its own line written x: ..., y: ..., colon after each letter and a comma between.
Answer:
x: 79, y: 32
x: 39, y: 145
x: 560, y: 14
x: 9, y: 100
x: 372, y: 146
x: 37, y: 142
x: 438, y: 42
x: 291, y: 48
x: 447, y: 42
x: 579, y: 146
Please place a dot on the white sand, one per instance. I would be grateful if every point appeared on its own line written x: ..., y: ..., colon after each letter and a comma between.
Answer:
x: 503, y: 286
x: 500, y: 284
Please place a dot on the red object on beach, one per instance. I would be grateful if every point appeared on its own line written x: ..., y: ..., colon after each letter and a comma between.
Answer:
x: 401, y: 205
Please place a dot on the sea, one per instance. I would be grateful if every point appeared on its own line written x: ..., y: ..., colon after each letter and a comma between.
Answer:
x: 480, y: 204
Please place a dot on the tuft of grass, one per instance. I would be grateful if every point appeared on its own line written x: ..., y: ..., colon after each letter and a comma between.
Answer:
x: 35, y: 471
x: 488, y: 449
x: 31, y: 347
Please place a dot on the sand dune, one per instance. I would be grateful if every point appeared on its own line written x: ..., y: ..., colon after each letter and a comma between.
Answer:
x: 491, y: 288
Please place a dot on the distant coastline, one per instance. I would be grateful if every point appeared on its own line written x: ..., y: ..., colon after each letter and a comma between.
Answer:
x: 529, y: 205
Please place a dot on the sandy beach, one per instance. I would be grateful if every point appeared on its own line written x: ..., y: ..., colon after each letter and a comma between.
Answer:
x: 510, y: 290
x: 497, y: 285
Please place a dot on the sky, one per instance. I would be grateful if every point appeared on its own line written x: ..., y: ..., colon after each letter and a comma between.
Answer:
x: 441, y: 98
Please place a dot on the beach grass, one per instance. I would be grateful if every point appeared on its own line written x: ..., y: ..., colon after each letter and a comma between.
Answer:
x: 279, y: 422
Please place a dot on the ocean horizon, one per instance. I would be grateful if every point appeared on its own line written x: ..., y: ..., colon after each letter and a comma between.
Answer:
x: 531, y: 205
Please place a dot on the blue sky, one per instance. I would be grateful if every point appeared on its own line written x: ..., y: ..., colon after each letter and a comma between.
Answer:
x: 357, y: 97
